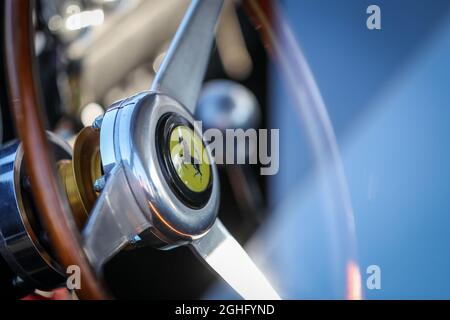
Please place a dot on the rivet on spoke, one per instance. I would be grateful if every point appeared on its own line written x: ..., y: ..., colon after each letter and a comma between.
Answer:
x: 97, y: 124
x: 99, y: 184
x: 135, y: 240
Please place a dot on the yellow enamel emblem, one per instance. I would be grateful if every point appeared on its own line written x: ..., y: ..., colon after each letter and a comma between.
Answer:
x: 189, y: 158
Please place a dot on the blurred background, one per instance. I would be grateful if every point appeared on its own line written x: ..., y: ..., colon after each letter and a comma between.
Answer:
x: 386, y: 94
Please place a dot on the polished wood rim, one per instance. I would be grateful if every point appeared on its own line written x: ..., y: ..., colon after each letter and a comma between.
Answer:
x: 26, y: 108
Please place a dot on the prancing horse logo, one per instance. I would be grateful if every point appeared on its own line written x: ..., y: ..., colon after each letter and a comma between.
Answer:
x: 187, y: 153
x: 188, y: 158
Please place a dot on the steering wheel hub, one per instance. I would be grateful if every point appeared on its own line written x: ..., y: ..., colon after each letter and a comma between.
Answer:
x: 166, y: 163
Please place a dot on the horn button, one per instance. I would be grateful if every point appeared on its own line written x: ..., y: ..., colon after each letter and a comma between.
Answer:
x: 166, y: 164
x: 184, y: 159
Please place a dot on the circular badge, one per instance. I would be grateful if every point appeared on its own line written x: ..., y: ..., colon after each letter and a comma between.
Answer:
x: 185, y: 160
x: 189, y: 158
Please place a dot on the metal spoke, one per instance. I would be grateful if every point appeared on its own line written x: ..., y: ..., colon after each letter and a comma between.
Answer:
x: 226, y: 257
x: 183, y: 69
x: 115, y: 221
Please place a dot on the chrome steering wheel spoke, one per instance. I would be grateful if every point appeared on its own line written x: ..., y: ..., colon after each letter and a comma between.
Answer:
x: 114, y: 222
x: 223, y: 254
x: 183, y: 69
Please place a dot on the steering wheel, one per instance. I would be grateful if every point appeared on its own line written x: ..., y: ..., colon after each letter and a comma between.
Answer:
x: 143, y: 197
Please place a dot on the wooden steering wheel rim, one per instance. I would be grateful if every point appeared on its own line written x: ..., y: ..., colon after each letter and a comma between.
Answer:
x: 26, y: 109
